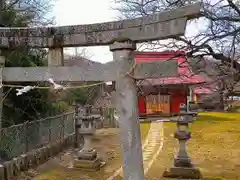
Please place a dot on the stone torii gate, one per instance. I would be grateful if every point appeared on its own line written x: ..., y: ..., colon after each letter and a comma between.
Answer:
x: 122, y: 37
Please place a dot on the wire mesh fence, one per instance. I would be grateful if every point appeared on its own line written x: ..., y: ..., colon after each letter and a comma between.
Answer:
x: 22, y: 138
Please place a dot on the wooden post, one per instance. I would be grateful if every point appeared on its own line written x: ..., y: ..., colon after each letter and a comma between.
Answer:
x: 2, y: 64
x: 126, y: 103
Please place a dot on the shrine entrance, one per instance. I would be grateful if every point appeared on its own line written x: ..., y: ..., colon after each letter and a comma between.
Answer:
x: 122, y: 37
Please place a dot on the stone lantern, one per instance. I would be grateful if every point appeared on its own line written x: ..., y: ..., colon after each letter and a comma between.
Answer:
x: 87, y: 157
x: 183, y: 167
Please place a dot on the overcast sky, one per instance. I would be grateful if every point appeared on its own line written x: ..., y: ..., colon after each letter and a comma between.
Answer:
x: 74, y: 12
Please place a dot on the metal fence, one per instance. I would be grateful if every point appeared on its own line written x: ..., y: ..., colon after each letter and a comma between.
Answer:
x: 22, y: 138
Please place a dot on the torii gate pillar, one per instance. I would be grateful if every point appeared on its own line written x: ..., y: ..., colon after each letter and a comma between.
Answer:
x: 126, y: 103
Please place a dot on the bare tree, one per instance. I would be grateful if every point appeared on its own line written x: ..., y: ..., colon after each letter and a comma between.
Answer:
x: 215, y: 35
x: 218, y: 37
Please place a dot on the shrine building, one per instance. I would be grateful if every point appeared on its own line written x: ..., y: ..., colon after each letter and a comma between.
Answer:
x: 163, y: 96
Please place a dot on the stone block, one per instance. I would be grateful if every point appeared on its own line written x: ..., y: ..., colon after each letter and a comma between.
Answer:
x: 43, y: 155
x: 48, y: 151
x: 30, y: 160
x: 90, y: 165
x: 23, y: 164
x: 53, y: 149
x: 183, y: 162
x: 183, y: 173
x: 17, y: 163
x: 9, y: 172
x: 87, y: 155
x: 38, y: 156
x: 2, y: 176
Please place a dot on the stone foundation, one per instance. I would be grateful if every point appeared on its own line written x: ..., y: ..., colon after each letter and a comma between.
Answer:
x: 182, y: 173
x: 90, y: 165
x: 33, y: 158
x: 87, y: 160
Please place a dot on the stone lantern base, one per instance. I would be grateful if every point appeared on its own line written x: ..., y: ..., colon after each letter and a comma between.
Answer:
x: 183, y: 173
x: 87, y: 160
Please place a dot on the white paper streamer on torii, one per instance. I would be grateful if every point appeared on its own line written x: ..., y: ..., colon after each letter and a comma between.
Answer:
x: 24, y: 90
x: 55, y: 85
x: 28, y: 88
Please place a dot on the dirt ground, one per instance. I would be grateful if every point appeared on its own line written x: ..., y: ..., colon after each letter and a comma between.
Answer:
x: 106, y: 141
x: 214, y: 149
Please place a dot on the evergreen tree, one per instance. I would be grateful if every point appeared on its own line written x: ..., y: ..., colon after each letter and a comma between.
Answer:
x: 36, y: 103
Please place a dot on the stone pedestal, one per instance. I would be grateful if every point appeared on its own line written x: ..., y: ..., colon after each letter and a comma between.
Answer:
x: 182, y: 173
x: 87, y: 158
x: 182, y: 166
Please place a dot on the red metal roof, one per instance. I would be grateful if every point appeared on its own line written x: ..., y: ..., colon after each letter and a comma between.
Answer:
x: 202, y: 90
x: 185, y: 75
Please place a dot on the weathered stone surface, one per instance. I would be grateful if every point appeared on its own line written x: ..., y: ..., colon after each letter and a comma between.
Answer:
x: 152, y: 27
x: 91, y: 165
x: 9, y: 172
x: 104, y: 72
x: 55, y: 56
x: 23, y: 164
x: 48, y: 151
x: 31, y: 159
x: 55, y: 149
x: 155, y: 69
x: 44, y: 155
x: 138, y: 34
x: 2, y: 172
x: 87, y: 155
x: 190, y: 12
x: 17, y: 165
x: 183, y: 167
x: 126, y: 104
x: 184, y: 173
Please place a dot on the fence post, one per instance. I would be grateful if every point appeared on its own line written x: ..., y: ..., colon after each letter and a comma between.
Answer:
x: 50, y: 132
x: 63, y: 125
x: 26, y: 136
x: 75, y: 126
x: 62, y: 130
x: 102, y: 117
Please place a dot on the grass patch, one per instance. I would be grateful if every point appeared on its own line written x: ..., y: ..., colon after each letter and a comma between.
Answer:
x: 144, y: 128
x: 214, y: 147
x: 218, y: 116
